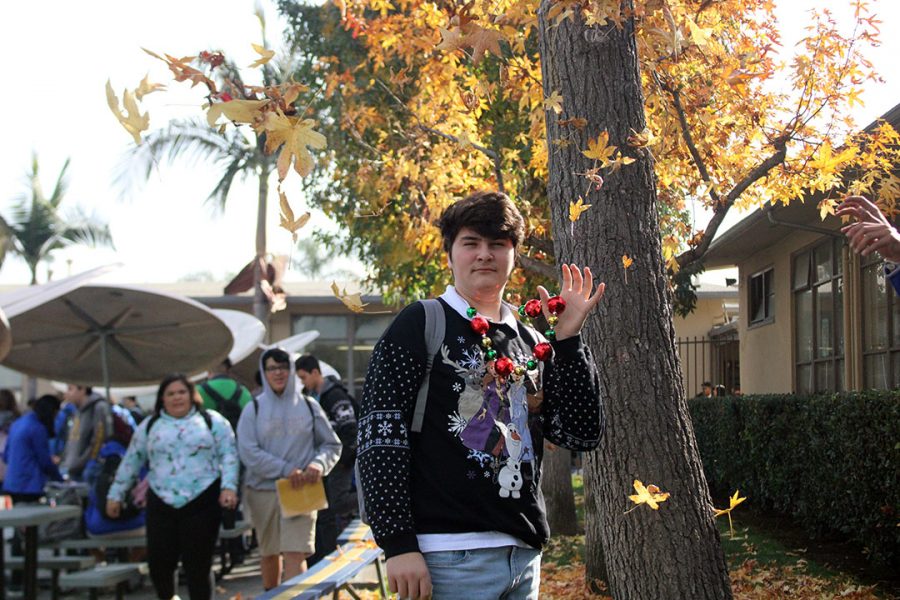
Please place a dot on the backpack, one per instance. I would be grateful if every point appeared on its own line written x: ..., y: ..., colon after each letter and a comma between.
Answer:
x: 435, y: 327
x: 59, y: 494
x: 229, y: 408
x: 105, y: 478
x: 122, y: 431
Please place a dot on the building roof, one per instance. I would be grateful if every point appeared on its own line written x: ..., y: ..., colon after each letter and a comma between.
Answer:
x: 772, y: 223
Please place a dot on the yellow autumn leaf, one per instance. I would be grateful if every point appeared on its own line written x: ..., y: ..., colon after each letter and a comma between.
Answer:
x: 699, y: 35
x: 483, y: 41
x: 643, y: 139
x: 237, y: 111
x: 826, y: 207
x: 132, y: 120
x: 294, y: 136
x: 576, y: 208
x: 265, y: 55
x: 627, y: 261
x: 353, y: 301
x: 733, y: 502
x: 650, y: 495
x: 287, y: 216
x: 554, y: 102
x: 145, y: 87
x: 451, y: 39
x: 599, y: 149
x: 620, y: 162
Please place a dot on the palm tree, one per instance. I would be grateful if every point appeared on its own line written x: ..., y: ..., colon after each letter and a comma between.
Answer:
x: 37, y: 228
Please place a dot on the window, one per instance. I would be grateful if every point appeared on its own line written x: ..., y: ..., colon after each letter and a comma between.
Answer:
x: 818, y: 288
x: 881, y: 327
x: 762, y: 297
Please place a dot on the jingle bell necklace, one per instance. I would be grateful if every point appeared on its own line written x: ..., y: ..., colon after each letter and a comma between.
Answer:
x: 504, y: 367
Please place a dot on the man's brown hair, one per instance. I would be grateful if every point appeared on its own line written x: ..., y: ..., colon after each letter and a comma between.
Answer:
x: 490, y: 214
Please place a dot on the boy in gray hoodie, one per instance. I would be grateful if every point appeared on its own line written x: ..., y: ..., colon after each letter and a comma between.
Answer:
x: 283, y: 434
x: 91, y: 427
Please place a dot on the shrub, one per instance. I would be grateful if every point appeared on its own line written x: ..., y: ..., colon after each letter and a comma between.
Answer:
x: 832, y: 462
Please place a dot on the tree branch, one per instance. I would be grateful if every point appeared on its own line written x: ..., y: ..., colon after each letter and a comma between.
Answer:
x: 543, y: 244
x: 688, y: 139
x: 689, y: 257
x: 537, y: 267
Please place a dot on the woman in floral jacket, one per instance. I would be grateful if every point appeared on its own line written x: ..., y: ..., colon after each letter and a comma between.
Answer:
x: 193, y: 473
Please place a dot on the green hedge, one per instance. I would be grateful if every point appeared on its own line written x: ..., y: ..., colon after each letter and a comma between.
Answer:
x: 832, y: 462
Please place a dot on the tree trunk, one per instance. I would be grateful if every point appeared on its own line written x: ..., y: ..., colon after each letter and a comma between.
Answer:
x: 260, y: 304
x: 556, y: 483
x: 674, y: 552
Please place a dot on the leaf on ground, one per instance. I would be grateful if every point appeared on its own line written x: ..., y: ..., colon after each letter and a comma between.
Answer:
x: 132, y: 120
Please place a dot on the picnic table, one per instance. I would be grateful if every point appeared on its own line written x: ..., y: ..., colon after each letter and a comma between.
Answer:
x: 30, y: 517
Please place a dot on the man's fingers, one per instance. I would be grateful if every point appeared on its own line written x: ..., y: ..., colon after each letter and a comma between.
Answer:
x: 588, y: 282
x: 601, y: 288
x: 425, y: 587
x: 566, y: 278
x: 577, y: 279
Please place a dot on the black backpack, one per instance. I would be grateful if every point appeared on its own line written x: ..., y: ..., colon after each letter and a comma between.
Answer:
x: 105, y: 478
x: 229, y: 408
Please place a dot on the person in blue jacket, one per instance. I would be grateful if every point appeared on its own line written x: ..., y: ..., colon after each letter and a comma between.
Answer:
x: 872, y: 232
x: 27, y: 453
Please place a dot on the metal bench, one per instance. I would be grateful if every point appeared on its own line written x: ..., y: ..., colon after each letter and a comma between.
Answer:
x: 137, y: 541
x: 105, y: 576
x: 54, y: 564
x: 336, y: 571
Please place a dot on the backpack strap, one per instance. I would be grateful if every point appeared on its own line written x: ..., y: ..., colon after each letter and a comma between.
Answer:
x: 435, y: 328
x: 206, y: 419
x: 151, y: 423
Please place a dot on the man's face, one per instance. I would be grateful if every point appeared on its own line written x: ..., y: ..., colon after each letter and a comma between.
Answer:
x: 312, y: 380
x: 75, y: 394
x: 277, y: 374
x: 707, y: 390
x: 479, y: 263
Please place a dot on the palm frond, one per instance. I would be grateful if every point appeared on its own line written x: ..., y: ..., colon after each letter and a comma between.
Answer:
x: 61, y: 187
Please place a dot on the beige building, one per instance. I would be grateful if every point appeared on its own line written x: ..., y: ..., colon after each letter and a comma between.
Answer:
x: 813, y: 315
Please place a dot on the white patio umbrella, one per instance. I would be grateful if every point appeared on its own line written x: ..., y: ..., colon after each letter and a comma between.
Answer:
x: 245, y: 370
x: 247, y: 330
x: 122, y: 335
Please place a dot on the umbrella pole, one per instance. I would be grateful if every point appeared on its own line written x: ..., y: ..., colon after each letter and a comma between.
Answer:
x: 105, y: 366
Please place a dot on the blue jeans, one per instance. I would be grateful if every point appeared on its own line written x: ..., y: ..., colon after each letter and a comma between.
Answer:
x: 508, y: 573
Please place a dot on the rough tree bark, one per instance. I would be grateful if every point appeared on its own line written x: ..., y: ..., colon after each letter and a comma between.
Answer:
x: 674, y: 552
x: 556, y: 483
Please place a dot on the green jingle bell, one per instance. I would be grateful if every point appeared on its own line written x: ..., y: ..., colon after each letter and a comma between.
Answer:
x: 471, y: 312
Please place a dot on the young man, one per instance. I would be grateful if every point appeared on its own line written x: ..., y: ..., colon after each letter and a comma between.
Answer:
x: 457, y: 508
x: 283, y: 435
x: 91, y: 426
x: 223, y: 394
x: 343, y: 506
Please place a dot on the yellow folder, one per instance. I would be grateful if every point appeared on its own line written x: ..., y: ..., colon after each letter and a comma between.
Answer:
x: 302, y: 500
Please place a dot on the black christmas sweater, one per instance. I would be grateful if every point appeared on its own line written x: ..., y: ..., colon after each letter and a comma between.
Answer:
x: 475, y: 466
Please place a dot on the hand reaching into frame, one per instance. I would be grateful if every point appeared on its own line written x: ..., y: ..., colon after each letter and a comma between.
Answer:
x: 576, y: 291
x: 871, y: 232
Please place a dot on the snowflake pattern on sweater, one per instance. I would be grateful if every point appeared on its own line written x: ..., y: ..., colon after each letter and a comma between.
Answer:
x: 476, y: 464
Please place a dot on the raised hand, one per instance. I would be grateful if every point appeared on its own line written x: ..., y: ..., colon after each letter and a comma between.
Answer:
x: 576, y: 291
x: 871, y: 232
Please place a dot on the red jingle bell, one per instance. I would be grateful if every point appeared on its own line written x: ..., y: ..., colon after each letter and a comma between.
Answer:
x: 542, y: 351
x: 556, y: 305
x: 504, y: 366
x: 533, y: 308
x: 480, y: 325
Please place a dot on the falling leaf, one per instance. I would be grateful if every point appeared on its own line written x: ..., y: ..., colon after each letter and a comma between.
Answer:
x: 650, y: 495
x: 619, y: 162
x: 133, y: 121
x: 183, y: 71
x: 237, y: 111
x: 287, y: 216
x: 297, y: 136
x: 699, y: 35
x: 483, y: 41
x: 145, y: 87
x: 643, y: 139
x: 265, y: 55
x: 353, y: 301
x: 826, y: 207
x: 576, y: 208
x: 554, y: 102
x: 733, y: 502
x: 626, y: 261
x: 599, y: 149
x: 451, y: 39
x: 576, y: 122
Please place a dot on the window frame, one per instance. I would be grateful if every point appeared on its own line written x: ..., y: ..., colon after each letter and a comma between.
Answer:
x: 767, y: 293
x: 836, y: 280
x: 892, y: 347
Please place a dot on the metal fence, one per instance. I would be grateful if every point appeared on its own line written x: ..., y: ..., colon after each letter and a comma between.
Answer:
x: 715, y: 360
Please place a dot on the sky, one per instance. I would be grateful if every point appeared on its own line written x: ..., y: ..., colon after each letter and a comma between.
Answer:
x: 56, y: 58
